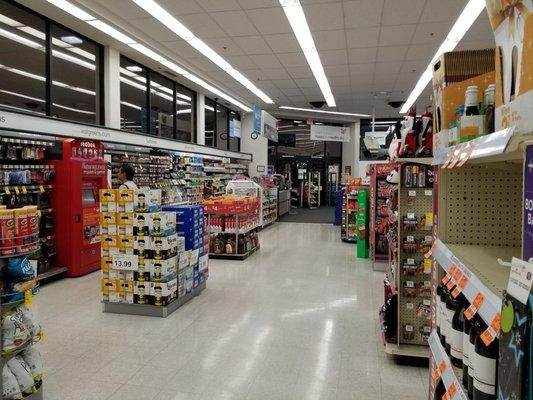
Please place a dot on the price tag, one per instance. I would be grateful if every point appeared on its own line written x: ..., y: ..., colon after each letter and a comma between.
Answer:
x: 435, y: 374
x: 24, y: 190
x: 472, y: 310
x: 452, y: 390
x: 431, y: 251
x: 442, y: 366
x: 412, y: 193
x: 446, y: 279
x: 409, y: 328
x: 426, y: 284
x: 410, y: 306
x: 411, y: 215
x: 429, y: 219
x: 428, y: 192
x: 409, y: 284
x: 17, y: 191
x: 449, y: 158
x: 126, y: 262
x: 456, y: 292
x: 411, y: 261
x: 452, y: 269
x: 450, y: 284
x: 455, y: 158
x: 427, y: 266
x: 28, y: 298
x: 463, y: 281
x: 41, y: 188
x: 488, y: 336
x: 411, y: 239
x: 426, y: 302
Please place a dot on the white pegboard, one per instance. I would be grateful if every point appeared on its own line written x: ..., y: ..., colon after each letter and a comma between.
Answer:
x: 481, y: 206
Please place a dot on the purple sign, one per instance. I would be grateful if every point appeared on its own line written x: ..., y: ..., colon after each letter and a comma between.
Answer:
x: 527, y: 244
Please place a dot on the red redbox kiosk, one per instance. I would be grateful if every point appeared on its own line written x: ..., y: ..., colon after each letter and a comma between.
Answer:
x: 80, y: 175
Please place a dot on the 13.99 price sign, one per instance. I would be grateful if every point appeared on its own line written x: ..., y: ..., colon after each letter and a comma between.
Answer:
x: 126, y: 262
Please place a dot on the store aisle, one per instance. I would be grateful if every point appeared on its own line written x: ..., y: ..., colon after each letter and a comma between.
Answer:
x: 320, y: 215
x: 298, y: 320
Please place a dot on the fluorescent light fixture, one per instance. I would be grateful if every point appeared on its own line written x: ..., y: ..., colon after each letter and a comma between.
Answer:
x: 462, y: 25
x: 187, y: 111
x: 125, y: 103
x: 23, y: 96
x: 109, y: 30
x: 71, y: 39
x: 383, y: 122
x: 20, y: 39
x: 163, y: 16
x: 323, y: 111
x: 318, y: 123
x: 72, y: 9
x: 147, y: 52
x: 9, y: 21
x: 298, y: 122
x: 73, y: 109
x: 72, y: 59
x: 134, y: 68
x: 295, y: 15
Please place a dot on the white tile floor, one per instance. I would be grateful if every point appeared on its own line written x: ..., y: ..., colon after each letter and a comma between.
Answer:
x: 298, y: 320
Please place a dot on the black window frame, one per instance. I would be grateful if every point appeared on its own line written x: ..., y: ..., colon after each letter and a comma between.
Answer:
x: 215, y: 124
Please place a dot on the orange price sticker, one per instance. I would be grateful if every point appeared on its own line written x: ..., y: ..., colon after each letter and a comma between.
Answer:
x: 452, y: 390
x: 430, y: 252
x: 435, y: 374
x: 450, y: 284
x: 445, y: 396
x: 446, y: 279
x: 463, y: 281
x: 442, y: 366
x: 478, y: 300
x: 488, y: 336
x: 495, y: 324
x: 456, y: 292
x: 452, y: 270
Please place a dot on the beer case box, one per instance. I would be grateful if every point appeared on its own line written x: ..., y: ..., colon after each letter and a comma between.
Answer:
x: 142, y: 245
x: 125, y: 223
x: 108, y: 285
x: 454, y: 67
x: 125, y: 200
x: 181, y: 283
x: 106, y: 264
x: 162, y: 223
x: 141, y: 292
x: 180, y: 243
x: 126, y: 276
x: 512, y: 24
x: 164, y: 246
x: 125, y: 244
x: 108, y: 200
x: 108, y: 229
x: 147, y: 200
x: 108, y: 223
x: 183, y: 260
x: 194, y: 255
x: 163, y: 292
x: 108, y: 245
x: 143, y: 275
x: 164, y: 270
x: 141, y: 224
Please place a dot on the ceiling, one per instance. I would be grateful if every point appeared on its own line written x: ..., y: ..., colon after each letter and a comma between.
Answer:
x: 372, y: 50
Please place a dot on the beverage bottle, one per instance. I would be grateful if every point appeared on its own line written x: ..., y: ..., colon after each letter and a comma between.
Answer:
x: 440, y: 390
x: 456, y: 355
x: 489, y: 108
x: 443, y: 326
x: 438, y: 309
x: 485, y: 372
x: 475, y: 331
x: 471, y: 101
x: 451, y: 306
x: 466, y: 348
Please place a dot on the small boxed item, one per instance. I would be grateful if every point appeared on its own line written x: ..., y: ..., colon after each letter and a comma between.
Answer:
x: 109, y: 289
x: 180, y: 244
x: 108, y: 200
x: 164, y: 247
x: 162, y: 270
x: 140, y: 224
x: 125, y: 244
x: 106, y: 264
x: 141, y: 292
x: 147, y: 200
x: 183, y: 260
x: 163, y: 292
x: 109, y: 245
x: 142, y: 246
x: 181, y: 283
x: 125, y: 200
x: 162, y: 223
x: 108, y: 222
x: 125, y: 223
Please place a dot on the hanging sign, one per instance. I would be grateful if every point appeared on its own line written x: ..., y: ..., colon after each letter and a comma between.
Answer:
x: 527, y: 234
x: 257, y: 126
x: 330, y: 133
x: 234, y: 128
x: 270, y: 126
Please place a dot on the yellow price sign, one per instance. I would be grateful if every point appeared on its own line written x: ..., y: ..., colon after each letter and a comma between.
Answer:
x: 28, y: 298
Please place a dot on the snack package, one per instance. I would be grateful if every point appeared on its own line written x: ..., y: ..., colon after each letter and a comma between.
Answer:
x: 10, y: 386
x: 23, y: 375
x: 34, y: 361
x: 14, y: 332
x: 22, y: 237
x: 27, y: 318
x: 7, y: 232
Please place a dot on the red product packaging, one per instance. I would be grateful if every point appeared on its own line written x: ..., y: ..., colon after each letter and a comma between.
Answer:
x: 33, y: 227
x: 7, y: 233
x: 22, y: 238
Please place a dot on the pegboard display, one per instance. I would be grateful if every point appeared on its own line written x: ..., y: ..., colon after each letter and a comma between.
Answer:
x: 415, y: 223
x: 480, y: 205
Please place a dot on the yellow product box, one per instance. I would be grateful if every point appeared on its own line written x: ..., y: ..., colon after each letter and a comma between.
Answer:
x: 125, y: 200
x: 108, y: 200
x: 108, y: 245
x: 125, y: 223
x: 108, y: 222
x: 126, y: 276
x: 125, y: 244
x: 109, y: 285
x: 141, y: 224
x: 126, y: 286
x: 106, y: 264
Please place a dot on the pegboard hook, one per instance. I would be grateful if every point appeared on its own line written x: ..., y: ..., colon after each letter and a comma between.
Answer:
x: 504, y: 263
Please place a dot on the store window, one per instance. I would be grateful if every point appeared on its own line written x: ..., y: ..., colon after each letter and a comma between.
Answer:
x: 222, y: 127
x: 22, y: 61
x: 185, y: 114
x: 374, y: 143
x: 133, y: 100
x: 161, y: 106
x: 234, y: 141
x: 75, y: 93
x: 209, y: 122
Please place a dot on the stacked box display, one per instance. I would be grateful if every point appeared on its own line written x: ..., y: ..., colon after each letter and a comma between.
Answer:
x: 140, y: 248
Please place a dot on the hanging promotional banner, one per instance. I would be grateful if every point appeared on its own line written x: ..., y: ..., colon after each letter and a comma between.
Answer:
x: 258, y: 120
x: 527, y: 234
x: 330, y: 133
x: 270, y: 127
x: 234, y: 128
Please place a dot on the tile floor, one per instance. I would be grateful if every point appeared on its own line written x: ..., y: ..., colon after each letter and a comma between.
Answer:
x: 297, y: 320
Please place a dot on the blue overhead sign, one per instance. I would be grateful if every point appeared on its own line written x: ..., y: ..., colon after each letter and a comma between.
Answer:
x: 258, y: 118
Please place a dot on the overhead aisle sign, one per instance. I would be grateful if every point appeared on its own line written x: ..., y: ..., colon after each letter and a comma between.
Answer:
x: 330, y: 133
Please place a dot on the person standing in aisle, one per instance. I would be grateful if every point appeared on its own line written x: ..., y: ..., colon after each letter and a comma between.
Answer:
x: 125, y: 176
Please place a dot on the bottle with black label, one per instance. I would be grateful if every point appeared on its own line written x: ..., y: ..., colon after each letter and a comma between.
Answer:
x: 466, y: 348
x: 456, y: 355
x: 438, y: 308
x: 471, y: 101
x: 451, y: 306
x: 475, y: 331
x: 489, y: 108
x: 440, y: 390
x: 485, y: 359
x: 443, y: 326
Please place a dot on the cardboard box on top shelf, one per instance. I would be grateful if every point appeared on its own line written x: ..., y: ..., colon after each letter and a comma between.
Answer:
x: 451, y: 68
x: 512, y: 23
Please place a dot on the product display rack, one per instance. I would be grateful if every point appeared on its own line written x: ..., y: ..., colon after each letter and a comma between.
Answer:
x: 349, y: 215
x: 408, y: 272
x: 313, y: 189
x: 269, y: 205
x: 150, y: 169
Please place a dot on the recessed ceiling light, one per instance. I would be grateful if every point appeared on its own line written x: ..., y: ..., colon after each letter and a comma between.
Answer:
x: 461, y: 26
x: 134, y: 68
x: 297, y: 122
x: 323, y: 111
x: 71, y: 39
x: 295, y: 15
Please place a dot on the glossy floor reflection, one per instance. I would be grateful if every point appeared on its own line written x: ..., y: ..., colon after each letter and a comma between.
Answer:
x: 297, y: 320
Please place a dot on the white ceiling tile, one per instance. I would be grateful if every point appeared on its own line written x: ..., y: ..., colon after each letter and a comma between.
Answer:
x: 285, y: 83
x: 366, y: 68
x: 252, y: 45
x: 251, y: 4
x: 125, y: 8
x: 334, y: 57
x: 329, y: 40
x: 241, y: 62
x: 181, y: 48
x: 396, y: 35
x: 342, y: 89
x: 362, y: 55
x: 155, y: 29
x: 383, y: 86
x: 224, y: 47
x: 276, y: 73
x: 362, y: 13
x: 266, y: 61
x: 300, y: 72
x: 217, y: 5
x: 203, y: 64
x: 235, y: 23
x: 305, y: 82
x: 443, y: 11
x: 414, y: 66
x: 392, y: 53
x: 337, y: 70
x: 324, y: 17
x: 269, y: 21
x: 290, y: 92
x: 292, y: 59
x: 300, y: 100
x: 202, y: 25
x: 402, y: 12
x: 362, y: 37
x: 480, y: 31
x: 176, y: 7
x: 283, y: 43
x: 313, y: 91
x: 421, y: 52
x: 432, y: 33
x: 387, y: 67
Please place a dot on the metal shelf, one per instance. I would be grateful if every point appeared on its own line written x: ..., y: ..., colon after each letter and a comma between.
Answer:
x: 51, y: 273
x: 234, y: 256
x: 407, y: 350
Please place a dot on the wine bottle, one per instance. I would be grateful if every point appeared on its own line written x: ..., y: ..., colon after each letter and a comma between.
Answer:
x: 475, y: 331
x: 471, y: 101
x: 451, y: 306
x: 466, y: 349
x: 438, y: 308
x: 456, y: 354
x: 443, y: 327
x: 440, y: 390
x: 485, y: 372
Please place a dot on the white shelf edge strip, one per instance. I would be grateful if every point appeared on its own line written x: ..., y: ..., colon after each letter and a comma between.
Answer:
x: 448, y: 376
x: 484, y: 146
x: 492, y: 303
x: 31, y: 123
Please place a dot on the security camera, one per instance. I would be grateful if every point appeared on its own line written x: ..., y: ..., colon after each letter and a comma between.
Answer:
x: 396, y: 104
x: 317, y: 104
